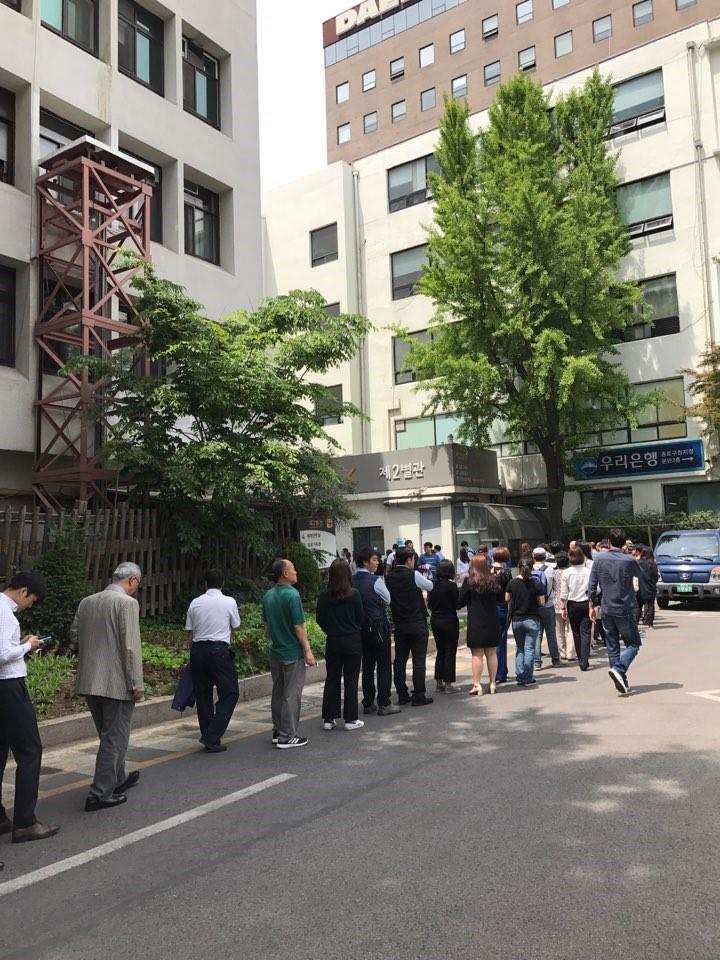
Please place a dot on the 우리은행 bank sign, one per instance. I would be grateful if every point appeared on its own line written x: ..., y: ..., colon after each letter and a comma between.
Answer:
x: 637, y: 460
x: 367, y: 10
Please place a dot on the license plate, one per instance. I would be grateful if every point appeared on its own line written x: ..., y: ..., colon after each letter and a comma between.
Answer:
x: 684, y: 588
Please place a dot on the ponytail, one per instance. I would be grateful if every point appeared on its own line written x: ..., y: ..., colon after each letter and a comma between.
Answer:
x: 525, y: 568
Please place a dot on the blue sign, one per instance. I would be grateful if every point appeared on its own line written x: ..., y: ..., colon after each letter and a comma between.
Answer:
x: 639, y: 461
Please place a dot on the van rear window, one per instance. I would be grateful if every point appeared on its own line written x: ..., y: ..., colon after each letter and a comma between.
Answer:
x: 693, y: 545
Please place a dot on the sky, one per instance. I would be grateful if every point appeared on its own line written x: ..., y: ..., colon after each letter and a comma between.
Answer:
x: 292, y: 87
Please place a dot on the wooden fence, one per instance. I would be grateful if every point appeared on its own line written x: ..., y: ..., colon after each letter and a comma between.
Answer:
x: 142, y: 536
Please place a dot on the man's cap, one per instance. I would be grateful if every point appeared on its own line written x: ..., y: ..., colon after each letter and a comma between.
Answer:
x: 540, y: 552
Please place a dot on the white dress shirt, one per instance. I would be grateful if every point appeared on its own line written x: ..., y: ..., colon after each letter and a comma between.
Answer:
x: 212, y: 617
x: 575, y: 582
x: 12, y: 651
x: 422, y: 582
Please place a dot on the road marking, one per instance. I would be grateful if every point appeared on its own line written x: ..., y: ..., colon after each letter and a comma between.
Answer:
x: 96, y: 853
x: 705, y: 694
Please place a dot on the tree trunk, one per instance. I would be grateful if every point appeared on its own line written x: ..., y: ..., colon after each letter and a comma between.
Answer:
x: 556, y: 490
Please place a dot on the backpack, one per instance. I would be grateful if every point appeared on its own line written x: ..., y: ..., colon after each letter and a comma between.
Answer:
x: 538, y: 574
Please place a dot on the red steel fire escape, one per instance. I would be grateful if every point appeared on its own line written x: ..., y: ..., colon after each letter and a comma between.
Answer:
x: 94, y: 203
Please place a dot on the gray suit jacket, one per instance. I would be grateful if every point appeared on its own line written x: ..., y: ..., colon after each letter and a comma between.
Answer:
x: 107, y: 632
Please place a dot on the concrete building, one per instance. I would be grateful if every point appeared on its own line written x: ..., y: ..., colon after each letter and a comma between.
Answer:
x: 354, y: 231
x: 171, y: 83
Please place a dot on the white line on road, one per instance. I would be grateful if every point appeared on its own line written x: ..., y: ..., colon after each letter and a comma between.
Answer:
x: 705, y: 694
x: 62, y: 866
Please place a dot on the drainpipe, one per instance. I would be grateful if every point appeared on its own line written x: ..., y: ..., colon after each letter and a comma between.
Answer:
x: 360, y: 295
x: 701, y: 190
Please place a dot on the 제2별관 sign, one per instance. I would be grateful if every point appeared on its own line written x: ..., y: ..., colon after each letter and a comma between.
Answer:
x: 679, y: 456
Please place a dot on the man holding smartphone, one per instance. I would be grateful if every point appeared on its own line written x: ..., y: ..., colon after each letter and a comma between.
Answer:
x: 18, y: 720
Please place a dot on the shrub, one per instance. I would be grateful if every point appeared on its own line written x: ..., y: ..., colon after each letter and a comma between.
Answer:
x: 307, y: 569
x: 156, y: 655
x: 63, y: 566
x: 46, y: 675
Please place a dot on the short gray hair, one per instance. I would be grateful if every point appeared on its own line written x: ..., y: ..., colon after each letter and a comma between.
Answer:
x: 125, y: 571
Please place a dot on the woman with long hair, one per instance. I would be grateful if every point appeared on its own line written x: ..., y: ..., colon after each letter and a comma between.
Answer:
x: 480, y: 593
x: 647, y: 582
x: 574, y: 601
x: 499, y: 569
x: 462, y: 567
x: 443, y: 601
x: 340, y: 614
x: 525, y: 595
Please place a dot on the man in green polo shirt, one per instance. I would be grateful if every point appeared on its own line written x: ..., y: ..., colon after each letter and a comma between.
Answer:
x: 290, y: 653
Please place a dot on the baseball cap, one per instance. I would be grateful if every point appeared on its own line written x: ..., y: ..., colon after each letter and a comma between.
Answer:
x: 540, y: 552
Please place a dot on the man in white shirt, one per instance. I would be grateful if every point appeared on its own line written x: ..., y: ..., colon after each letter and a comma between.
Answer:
x: 211, y: 618
x: 18, y: 720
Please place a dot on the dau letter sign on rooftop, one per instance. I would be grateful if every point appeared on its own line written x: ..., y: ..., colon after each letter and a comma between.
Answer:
x: 368, y: 10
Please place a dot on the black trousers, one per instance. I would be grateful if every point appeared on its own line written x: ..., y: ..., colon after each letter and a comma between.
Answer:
x: 376, y: 655
x: 581, y: 626
x: 213, y: 665
x: 343, y: 656
x: 446, y: 631
x: 647, y: 613
x: 412, y: 639
x: 19, y: 733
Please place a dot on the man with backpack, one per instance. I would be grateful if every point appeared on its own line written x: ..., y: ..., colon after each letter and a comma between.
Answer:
x: 544, y: 574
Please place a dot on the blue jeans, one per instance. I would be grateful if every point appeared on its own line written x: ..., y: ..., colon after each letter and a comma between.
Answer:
x: 547, y: 625
x: 526, y: 633
x: 625, y: 627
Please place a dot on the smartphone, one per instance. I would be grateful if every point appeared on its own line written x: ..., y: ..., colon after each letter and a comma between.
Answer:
x: 47, y: 641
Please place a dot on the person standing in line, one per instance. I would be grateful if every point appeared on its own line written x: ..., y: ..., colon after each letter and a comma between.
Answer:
x: 376, y: 634
x: 612, y: 577
x: 562, y: 563
x: 525, y: 550
x: 544, y: 574
x: 437, y: 550
x: 443, y: 603
x: 574, y: 604
x: 210, y: 620
x: 525, y: 596
x: 648, y: 581
x: 290, y: 653
x: 480, y: 594
x: 427, y: 562
x: 409, y: 613
x: 464, y: 545
x: 462, y: 568
x: 339, y: 612
x: 18, y: 720
x: 110, y: 677
x: 500, y: 570
x: 410, y: 546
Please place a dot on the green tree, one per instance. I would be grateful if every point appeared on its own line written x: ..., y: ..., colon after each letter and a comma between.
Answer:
x: 706, y: 390
x: 227, y: 420
x: 523, y: 259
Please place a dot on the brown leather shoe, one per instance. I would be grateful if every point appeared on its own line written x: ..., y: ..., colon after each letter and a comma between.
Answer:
x: 38, y: 831
x: 5, y: 826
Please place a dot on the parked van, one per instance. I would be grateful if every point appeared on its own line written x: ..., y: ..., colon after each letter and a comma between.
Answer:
x: 689, y: 565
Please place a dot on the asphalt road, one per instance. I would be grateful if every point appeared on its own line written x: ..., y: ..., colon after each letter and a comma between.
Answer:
x: 560, y: 821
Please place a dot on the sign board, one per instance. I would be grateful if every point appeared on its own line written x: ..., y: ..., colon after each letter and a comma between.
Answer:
x: 640, y: 460
x: 318, y: 535
x: 363, y: 13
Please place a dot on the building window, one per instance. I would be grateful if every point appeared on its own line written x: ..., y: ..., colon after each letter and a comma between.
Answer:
x: 7, y: 136
x: 76, y: 20
x: 342, y: 92
x: 459, y: 86
x: 559, y: 3
x: 407, y: 183
x: 491, y: 72
x: 407, y: 267
x: 426, y: 431
x: 140, y: 45
x: 457, y: 41
x: 368, y: 81
x: 692, y: 497
x: 605, y: 503
x: 332, y: 309
x: 663, y: 314
x: 681, y: 4
x: 526, y: 58
x: 369, y: 538
x: 328, y: 408
x: 155, y: 181
x: 602, y: 28
x: 427, y: 99
x: 642, y: 12
x: 7, y: 316
x: 201, y: 83
x: 397, y: 68
x: 524, y: 11
x: 563, y: 44
x: 56, y: 133
x: 323, y: 245
x: 343, y: 133
x: 202, y: 223
x: 401, y: 351
x: 427, y: 55
x: 665, y: 420
x: 399, y: 110
x: 646, y: 205
x: 639, y: 102
x: 490, y: 26
x: 370, y: 122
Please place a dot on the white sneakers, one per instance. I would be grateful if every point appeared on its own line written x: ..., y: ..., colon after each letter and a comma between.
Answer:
x: 351, y: 725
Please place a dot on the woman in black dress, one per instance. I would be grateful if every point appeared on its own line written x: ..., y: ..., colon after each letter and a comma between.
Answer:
x: 443, y: 602
x: 481, y: 592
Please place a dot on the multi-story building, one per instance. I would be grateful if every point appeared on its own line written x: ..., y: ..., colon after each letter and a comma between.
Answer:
x: 355, y: 232
x: 171, y: 83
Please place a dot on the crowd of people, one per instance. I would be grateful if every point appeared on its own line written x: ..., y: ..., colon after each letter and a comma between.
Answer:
x: 581, y: 591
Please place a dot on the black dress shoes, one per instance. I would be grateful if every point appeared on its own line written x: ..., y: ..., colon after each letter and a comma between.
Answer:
x: 38, y: 831
x: 421, y: 701
x: 215, y: 747
x: 132, y: 779
x: 95, y: 803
